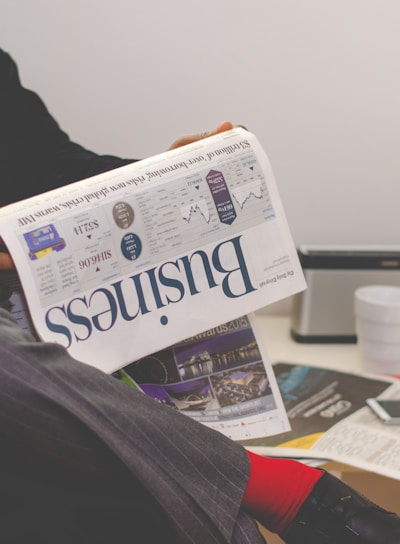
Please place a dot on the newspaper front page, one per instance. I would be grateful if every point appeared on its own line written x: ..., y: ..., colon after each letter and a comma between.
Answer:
x: 151, y: 273
x: 126, y: 263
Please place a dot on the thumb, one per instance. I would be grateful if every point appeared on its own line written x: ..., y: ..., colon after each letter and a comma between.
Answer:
x: 226, y: 125
x: 190, y: 138
x: 6, y: 262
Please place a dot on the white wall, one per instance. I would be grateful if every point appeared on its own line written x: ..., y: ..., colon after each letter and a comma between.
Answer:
x: 318, y: 81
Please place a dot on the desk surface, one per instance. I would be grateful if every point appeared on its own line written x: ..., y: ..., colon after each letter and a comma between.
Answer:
x: 275, y: 331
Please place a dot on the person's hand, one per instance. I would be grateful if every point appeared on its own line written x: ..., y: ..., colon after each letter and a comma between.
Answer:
x: 190, y: 138
x: 6, y: 262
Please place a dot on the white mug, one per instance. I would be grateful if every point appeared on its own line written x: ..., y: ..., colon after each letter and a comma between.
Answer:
x: 377, y: 323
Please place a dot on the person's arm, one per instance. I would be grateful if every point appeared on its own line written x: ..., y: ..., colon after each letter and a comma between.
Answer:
x: 36, y: 155
x: 70, y: 427
x: 51, y: 159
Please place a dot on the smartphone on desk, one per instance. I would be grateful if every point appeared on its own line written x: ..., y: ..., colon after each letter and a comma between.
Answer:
x: 388, y: 410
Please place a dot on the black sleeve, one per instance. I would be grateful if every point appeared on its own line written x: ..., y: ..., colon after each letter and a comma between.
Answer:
x: 35, y: 154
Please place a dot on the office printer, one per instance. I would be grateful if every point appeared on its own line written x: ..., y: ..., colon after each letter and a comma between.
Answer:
x: 324, y: 312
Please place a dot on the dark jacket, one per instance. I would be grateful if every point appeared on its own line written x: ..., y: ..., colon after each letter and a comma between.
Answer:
x: 85, y: 459
x: 35, y: 154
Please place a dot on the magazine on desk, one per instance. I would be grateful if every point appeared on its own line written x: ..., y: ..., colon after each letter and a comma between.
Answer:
x: 121, y: 266
x: 329, y: 419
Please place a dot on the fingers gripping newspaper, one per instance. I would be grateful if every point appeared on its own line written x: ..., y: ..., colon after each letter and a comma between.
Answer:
x: 127, y: 263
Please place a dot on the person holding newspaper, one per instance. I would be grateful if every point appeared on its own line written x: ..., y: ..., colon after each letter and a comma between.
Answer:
x: 87, y: 459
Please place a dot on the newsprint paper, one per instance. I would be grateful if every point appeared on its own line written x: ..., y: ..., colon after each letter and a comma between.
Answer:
x: 123, y: 265
x: 330, y: 419
x: 128, y: 262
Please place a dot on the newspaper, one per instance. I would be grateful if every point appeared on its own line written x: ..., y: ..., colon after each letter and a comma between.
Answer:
x: 222, y: 378
x: 126, y: 263
x: 329, y: 419
x: 151, y: 273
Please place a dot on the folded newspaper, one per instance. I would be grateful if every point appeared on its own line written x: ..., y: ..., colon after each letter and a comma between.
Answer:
x: 149, y: 254
x: 175, y: 250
